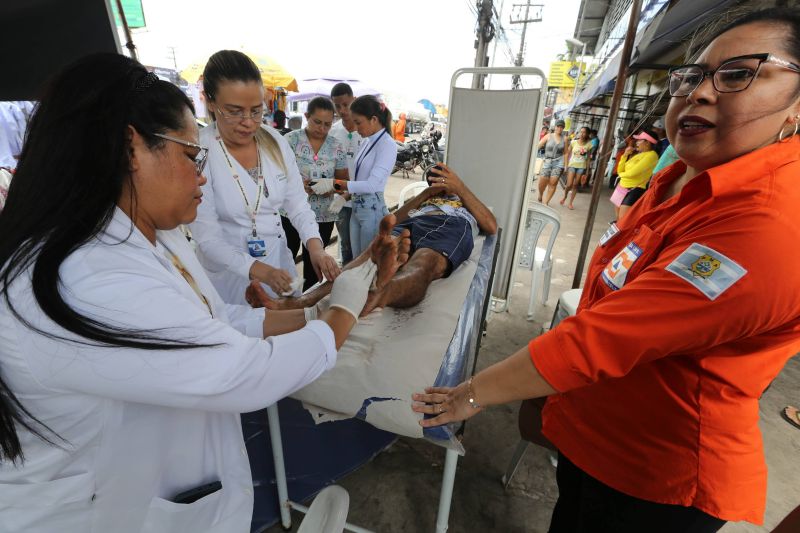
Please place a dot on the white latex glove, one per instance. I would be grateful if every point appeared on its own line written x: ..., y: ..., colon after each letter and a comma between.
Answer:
x: 337, y: 203
x: 351, y: 288
x: 323, y: 186
x: 297, y: 284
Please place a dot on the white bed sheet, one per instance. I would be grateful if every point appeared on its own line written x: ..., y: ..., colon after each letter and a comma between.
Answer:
x: 391, y: 355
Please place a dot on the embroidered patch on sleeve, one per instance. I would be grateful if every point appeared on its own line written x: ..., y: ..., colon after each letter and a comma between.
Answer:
x: 616, y: 272
x: 707, y: 270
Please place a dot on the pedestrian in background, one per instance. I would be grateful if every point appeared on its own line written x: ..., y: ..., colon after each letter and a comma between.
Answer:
x: 578, y: 152
x: 635, y: 169
x: 345, y: 130
x: 553, y: 145
x: 319, y: 155
x: 374, y: 163
x: 400, y: 129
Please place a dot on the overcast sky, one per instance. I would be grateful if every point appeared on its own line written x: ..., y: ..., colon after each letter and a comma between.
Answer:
x: 404, y: 47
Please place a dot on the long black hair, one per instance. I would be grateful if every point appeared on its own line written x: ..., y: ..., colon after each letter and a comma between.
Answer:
x: 71, y: 173
x: 369, y: 106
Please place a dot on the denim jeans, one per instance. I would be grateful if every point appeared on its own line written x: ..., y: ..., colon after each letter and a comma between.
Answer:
x: 343, y: 227
x: 368, y: 210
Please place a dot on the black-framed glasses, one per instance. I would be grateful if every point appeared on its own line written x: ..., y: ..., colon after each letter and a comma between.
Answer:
x: 240, y: 116
x: 733, y: 75
x: 199, y: 159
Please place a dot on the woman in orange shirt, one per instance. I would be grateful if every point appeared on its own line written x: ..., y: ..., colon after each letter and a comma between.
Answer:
x: 689, y: 310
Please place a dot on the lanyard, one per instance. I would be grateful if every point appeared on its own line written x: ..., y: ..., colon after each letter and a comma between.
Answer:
x: 251, y: 211
x: 366, y: 153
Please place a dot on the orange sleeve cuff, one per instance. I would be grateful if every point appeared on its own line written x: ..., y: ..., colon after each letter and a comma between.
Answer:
x: 554, y: 363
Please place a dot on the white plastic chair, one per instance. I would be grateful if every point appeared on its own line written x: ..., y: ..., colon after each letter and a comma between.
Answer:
x: 537, y: 259
x: 328, y: 511
x: 410, y: 191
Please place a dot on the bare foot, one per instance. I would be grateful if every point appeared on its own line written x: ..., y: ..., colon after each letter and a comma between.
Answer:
x: 256, y: 296
x: 570, y: 206
x: 375, y: 299
x: 388, y: 252
x: 562, y: 201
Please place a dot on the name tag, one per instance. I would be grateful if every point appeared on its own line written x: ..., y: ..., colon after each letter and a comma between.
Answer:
x: 609, y: 234
x: 707, y: 270
x: 256, y: 247
x: 281, y: 177
x: 617, y: 270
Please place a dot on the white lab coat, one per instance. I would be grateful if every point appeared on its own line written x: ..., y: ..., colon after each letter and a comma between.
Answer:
x: 140, y: 426
x: 223, y: 227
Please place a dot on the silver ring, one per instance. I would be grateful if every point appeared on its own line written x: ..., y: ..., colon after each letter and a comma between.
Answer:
x: 438, y: 408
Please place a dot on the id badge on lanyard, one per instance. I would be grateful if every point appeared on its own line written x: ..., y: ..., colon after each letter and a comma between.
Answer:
x: 256, y: 246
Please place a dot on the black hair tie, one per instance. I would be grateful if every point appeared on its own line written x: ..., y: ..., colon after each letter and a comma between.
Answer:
x: 145, y: 82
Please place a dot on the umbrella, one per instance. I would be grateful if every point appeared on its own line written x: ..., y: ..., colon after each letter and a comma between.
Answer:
x: 427, y: 104
x: 322, y: 86
x: 272, y: 74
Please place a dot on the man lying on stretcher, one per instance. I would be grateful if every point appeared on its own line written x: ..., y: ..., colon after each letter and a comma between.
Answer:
x: 442, y: 221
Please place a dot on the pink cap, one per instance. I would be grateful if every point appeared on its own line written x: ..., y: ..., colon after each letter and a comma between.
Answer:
x: 646, y: 136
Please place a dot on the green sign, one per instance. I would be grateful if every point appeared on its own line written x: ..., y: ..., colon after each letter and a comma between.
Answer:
x: 134, y: 13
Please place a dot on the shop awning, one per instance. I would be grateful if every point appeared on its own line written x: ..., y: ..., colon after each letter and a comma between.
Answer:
x: 665, y: 32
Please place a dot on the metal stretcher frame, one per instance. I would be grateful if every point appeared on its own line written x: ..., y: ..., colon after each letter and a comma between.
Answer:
x: 491, y: 142
x: 470, y: 320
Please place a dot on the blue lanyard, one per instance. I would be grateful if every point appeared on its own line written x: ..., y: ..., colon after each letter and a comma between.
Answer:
x: 371, y: 146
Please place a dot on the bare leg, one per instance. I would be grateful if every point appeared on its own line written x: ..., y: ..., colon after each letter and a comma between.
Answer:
x: 574, y: 190
x: 551, y: 189
x: 409, y: 286
x: 542, y: 183
x: 388, y: 252
x: 621, y: 210
x: 570, y: 181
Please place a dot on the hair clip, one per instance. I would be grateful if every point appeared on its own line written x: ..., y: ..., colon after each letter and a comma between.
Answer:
x: 145, y: 82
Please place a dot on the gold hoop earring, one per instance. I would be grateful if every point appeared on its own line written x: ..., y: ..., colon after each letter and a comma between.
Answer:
x: 780, y: 135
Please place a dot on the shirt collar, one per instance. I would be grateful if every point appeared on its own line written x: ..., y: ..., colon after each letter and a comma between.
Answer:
x: 744, y: 169
x: 736, y: 173
x: 375, y: 135
x: 122, y: 229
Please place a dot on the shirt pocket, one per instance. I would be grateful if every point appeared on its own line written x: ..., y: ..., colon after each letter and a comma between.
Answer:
x: 59, y: 505
x: 165, y: 516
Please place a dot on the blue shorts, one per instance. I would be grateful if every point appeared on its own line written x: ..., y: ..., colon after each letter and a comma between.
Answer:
x: 449, y: 235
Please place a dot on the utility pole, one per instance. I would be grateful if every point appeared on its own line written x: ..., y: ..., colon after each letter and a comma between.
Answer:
x: 485, y: 34
x: 537, y: 17
x: 607, y: 143
x: 173, y: 57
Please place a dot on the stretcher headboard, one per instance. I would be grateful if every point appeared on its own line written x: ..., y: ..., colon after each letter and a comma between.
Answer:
x: 491, y: 136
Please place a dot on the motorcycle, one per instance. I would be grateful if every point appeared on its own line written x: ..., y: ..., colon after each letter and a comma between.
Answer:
x: 415, y: 153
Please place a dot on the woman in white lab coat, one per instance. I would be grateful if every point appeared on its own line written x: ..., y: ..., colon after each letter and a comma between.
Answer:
x: 252, y: 175
x: 123, y: 371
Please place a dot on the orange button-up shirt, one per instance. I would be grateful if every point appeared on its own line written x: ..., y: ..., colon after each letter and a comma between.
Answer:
x: 688, y: 313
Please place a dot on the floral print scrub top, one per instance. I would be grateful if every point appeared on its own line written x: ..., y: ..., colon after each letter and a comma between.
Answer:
x: 331, y: 157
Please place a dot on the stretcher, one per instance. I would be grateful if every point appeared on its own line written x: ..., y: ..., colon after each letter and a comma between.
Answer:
x: 382, y: 364
x: 494, y: 153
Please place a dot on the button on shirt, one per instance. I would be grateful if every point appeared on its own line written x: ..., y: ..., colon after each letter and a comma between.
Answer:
x: 374, y: 165
x: 688, y: 313
x: 140, y: 426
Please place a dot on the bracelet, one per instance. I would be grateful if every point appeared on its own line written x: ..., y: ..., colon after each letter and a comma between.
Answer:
x: 471, y: 395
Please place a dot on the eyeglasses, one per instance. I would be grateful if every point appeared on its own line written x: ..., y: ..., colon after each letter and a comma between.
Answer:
x: 240, y: 116
x: 734, y: 75
x: 199, y: 159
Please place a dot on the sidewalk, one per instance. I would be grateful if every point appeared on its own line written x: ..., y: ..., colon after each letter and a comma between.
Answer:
x: 398, y: 492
